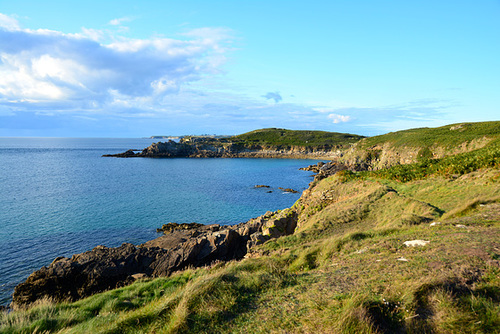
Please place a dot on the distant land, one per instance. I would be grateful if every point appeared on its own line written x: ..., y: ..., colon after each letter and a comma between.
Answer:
x: 263, y: 143
x: 187, y: 136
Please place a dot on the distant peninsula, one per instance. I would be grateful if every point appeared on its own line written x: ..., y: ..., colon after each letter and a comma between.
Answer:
x: 263, y: 143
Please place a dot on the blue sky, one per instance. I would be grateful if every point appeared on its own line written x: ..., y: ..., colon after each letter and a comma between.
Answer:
x: 141, y: 68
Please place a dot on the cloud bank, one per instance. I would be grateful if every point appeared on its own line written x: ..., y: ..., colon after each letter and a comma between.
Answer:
x: 43, y: 69
x: 99, y: 83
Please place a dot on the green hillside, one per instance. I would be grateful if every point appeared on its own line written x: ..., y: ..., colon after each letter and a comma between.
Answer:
x: 283, y: 137
x: 414, y: 145
x: 445, y: 136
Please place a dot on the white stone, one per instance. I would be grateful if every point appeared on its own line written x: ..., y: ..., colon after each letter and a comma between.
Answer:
x: 414, y: 243
x: 402, y: 259
x: 435, y: 223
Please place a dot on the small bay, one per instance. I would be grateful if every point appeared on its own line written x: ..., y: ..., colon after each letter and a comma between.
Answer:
x: 59, y: 197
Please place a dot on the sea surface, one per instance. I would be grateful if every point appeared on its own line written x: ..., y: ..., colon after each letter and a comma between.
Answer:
x: 59, y: 197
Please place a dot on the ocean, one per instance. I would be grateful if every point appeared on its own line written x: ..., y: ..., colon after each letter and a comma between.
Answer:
x: 59, y: 197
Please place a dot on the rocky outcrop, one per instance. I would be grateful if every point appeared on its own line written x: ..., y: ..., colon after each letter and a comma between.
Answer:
x: 170, y: 227
x: 103, y: 268
x: 85, y: 274
x: 313, y: 168
x: 323, y: 170
x: 215, y: 149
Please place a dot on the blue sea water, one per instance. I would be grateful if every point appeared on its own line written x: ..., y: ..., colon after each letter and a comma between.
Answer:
x: 59, y: 197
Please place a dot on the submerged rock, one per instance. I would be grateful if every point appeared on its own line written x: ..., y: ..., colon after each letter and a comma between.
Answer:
x: 288, y: 190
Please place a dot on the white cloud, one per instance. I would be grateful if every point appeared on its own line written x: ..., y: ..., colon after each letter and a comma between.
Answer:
x: 339, y: 118
x: 8, y: 23
x: 119, y: 21
x: 324, y: 110
x: 92, y: 34
x: 69, y: 70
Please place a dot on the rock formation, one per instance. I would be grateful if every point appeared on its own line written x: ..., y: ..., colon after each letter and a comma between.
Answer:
x: 323, y: 170
x: 103, y: 268
x: 214, y: 149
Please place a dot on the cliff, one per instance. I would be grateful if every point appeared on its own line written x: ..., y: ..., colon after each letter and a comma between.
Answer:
x: 410, y: 146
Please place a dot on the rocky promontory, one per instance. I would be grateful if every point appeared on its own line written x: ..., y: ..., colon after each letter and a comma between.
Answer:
x: 171, y: 149
x: 103, y: 268
x: 263, y: 143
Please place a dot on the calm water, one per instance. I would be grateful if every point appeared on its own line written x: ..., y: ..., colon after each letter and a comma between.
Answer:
x: 59, y: 197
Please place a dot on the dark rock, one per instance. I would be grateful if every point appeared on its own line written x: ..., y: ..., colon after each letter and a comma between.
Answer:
x: 170, y: 227
x: 257, y: 239
x: 261, y: 186
x: 85, y: 274
x: 215, y: 227
x: 103, y: 268
x: 127, y: 154
x: 313, y: 168
x: 334, y: 167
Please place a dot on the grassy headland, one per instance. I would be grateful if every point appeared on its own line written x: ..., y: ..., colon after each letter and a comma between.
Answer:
x: 408, y: 146
x: 263, y: 143
x: 284, y: 137
x: 346, y: 269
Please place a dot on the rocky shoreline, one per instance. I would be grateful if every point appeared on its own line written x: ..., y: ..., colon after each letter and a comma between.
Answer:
x: 181, y: 246
x: 103, y: 268
x: 171, y: 149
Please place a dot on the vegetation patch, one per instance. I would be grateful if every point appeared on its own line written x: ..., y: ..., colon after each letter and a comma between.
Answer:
x: 445, y: 136
x: 284, y: 137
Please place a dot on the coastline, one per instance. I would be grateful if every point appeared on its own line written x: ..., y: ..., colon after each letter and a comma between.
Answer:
x: 105, y: 268
x: 184, y: 245
x: 173, y: 149
x: 87, y: 170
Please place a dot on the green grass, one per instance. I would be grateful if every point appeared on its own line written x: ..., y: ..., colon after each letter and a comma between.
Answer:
x: 450, y: 166
x: 445, y: 136
x: 424, y: 145
x: 284, y: 137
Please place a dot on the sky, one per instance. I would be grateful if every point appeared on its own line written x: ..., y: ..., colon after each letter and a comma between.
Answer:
x: 142, y: 68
